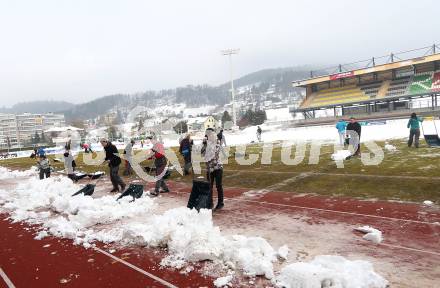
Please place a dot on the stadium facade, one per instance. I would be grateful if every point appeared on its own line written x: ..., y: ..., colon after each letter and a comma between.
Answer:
x: 16, y: 130
x: 391, y: 84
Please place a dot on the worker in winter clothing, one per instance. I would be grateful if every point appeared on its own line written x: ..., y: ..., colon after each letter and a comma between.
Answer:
x: 414, y: 130
x: 68, y: 166
x: 221, y: 138
x: 128, y: 151
x: 341, y: 126
x: 214, y: 167
x: 354, y: 131
x: 43, y: 165
x: 185, y: 150
x: 160, y: 163
x: 113, y: 160
x: 259, y: 131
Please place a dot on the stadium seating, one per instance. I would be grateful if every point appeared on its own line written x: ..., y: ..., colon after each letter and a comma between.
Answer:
x: 410, y: 85
x: 371, y: 89
x: 398, y: 87
x: 421, y: 83
x: 436, y: 82
x: 347, y: 94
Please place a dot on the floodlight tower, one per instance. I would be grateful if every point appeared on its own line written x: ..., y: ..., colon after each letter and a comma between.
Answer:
x: 230, y: 52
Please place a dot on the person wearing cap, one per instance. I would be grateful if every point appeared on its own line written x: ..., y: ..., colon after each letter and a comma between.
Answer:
x: 354, y: 131
x: 113, y: 160
x: 160, y: 163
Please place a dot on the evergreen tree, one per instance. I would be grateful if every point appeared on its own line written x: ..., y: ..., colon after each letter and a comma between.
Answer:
x: 181, y: 127
x: 43, y: 137
x: 226, y: 117
x: 36, y: 138
x: 141, y: 124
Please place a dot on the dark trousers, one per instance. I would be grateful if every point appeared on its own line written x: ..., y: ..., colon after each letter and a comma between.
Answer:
x: 187, y: 165
x: 128, y: 170
x: 160, y: 164
x: 217, y: 176
x: 44, y: 172
x: 115, y: 178
x: 414, y: 135
x: 72, y: 177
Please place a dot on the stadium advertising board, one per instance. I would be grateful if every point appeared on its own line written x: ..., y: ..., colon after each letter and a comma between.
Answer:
x: 341, y: 75
x: 404, y: 72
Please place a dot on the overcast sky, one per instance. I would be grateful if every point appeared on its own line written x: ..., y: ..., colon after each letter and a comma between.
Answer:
x: 80, y: 50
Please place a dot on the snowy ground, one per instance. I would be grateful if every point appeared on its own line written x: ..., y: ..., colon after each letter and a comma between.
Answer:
x: 189, y: 236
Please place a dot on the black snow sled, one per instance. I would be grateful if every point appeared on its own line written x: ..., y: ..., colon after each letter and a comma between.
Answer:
x: 133, y: 190
x: 86, y: 190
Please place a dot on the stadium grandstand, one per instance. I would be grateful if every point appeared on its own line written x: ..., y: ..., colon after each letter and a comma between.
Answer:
x: 386, y: 85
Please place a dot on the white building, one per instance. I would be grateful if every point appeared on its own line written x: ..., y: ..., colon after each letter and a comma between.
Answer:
x: 19, y: 129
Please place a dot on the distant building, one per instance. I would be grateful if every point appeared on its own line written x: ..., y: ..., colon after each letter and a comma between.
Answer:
x: 210, y: 122
x: 202, y: 123
x: 17, y: 130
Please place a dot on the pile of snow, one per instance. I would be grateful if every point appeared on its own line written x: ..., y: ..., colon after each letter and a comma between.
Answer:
x: 283, y: 251
x: 223, y: 281
x: 390, y: 148
x: 340, y: 155
x: 330, y: 272
x: 428, y: 202
x: 188, y: 235
x: 279, y: 114
x: 372, y: 234
x: 6, y: 173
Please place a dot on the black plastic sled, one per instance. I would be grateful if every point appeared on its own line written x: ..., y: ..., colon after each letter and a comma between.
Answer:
x: 95, y: 175
x: 86, y: 190
x: 133, y: 190
x: 200, y: 197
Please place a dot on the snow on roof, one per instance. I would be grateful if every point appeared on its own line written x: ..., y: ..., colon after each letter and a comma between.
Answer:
x: 63, y: 129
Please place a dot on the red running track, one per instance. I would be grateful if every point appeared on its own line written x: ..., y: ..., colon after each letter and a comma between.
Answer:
x: 53, y: 262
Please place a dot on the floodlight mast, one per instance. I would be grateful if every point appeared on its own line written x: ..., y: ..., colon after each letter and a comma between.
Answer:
x: 230, y: 52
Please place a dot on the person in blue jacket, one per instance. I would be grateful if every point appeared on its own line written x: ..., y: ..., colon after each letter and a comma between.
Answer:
x: 341, y: 126
x: 414, y: 130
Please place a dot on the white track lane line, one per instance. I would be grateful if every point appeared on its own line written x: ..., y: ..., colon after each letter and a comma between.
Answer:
x: 335, y: 211
x: 154, y: 277
x: 6, y: 279
x: 331, y: 211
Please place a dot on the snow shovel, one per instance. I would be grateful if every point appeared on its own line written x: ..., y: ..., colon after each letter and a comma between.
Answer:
x: 88, y: 189
x: 96, y: 175
x: 200, y: 197
x: 134, y: 190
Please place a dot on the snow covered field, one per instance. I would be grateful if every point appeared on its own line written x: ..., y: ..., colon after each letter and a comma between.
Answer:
x: 188, y: 235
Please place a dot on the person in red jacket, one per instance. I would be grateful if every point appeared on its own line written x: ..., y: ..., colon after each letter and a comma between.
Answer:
x: 160, y: 162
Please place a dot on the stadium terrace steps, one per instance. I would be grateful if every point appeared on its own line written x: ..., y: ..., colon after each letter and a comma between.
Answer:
x: 383, y: 89
x: 398, y: 87
x: 420, y: 83
x: 330, y: 96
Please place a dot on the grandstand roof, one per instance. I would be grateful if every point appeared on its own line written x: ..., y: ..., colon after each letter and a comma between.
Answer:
x: 363, y: 71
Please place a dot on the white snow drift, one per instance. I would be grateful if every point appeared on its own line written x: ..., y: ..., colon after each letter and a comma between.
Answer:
x: 372, y: 234
x: 188, y: 235
x: 330, y: 272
